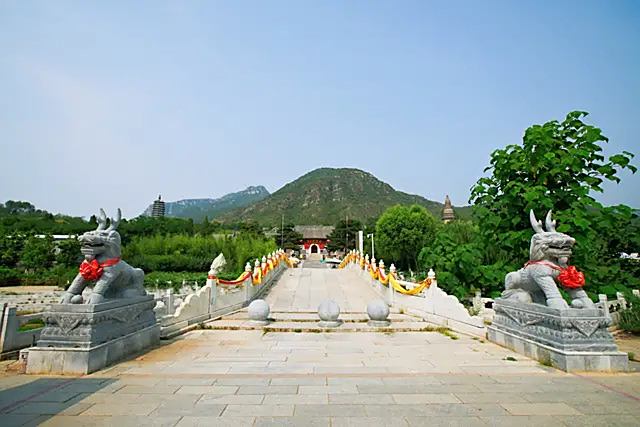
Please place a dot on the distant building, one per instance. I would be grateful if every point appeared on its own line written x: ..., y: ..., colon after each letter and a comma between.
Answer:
x: 447, y: 212
x: 157, y: 210
x: 314, y: 237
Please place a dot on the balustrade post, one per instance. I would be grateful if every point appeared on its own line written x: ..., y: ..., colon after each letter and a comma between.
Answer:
x: 621, y: 300
x: 604, y: 303
x: 391, y: 290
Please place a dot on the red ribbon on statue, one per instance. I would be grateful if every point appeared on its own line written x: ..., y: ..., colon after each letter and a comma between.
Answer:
x: 93, y: 270
x: 569, y: 277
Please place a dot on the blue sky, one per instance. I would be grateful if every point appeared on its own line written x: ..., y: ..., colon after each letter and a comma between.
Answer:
x: 198, y: 99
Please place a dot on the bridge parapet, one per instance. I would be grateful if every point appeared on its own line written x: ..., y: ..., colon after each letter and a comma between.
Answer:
x: 424, y: 298
x: 219, y: 297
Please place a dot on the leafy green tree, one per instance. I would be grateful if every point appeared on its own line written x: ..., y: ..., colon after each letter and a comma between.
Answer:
x: 10, y: 249
x: 288, y: 238
x: 401, y: 232
x: 457, y: 255
x: 38, y: 253
x: 68, y: 253
x: 558, y: 167
x: 344, y: 235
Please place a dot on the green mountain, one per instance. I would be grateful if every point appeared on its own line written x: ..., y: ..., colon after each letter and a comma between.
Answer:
x: 197, y: 209
x: 326, y: 195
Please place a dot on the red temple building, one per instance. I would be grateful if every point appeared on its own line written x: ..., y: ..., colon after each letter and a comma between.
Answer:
x: 314, y: 237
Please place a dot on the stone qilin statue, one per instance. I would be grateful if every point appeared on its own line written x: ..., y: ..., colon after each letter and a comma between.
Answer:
x: 114, y: 278
x: 548, y: 263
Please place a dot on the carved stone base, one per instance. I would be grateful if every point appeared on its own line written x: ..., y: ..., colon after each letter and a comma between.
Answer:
x: 82, y: 361
x: 568, y: 339
x: 83, y: 338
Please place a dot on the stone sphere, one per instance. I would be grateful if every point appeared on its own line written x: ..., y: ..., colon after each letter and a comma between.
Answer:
x: 329, y: 311
x: 259, y: 310
x: 378, y: 310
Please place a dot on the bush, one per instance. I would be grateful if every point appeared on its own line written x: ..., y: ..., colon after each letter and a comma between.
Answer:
x: 9, y: 277
x: 630, y: 317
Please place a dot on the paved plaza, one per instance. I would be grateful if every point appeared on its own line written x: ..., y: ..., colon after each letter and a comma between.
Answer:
x: 252, y: 378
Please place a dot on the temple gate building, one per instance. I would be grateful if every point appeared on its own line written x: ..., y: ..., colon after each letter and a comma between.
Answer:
x: 314, y: 237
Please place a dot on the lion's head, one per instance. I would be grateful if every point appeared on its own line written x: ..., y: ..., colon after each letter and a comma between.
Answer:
x: 103, y: 242
x: 549, y: 245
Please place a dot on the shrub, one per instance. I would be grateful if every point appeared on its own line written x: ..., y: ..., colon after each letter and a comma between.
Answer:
x: 9, y: 276
x: 630, y: 317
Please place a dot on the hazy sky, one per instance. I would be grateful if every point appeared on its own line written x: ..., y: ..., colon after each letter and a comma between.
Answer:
x: 198, y: 99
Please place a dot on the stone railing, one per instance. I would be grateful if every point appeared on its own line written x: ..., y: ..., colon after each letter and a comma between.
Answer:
x: 432, y: 303
x: 219, y: 297
x: 11, y: 338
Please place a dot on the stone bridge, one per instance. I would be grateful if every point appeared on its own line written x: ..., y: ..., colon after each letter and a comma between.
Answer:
x: 430, y: 366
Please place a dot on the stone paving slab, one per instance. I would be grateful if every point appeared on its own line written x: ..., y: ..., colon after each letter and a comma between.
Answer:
x: 239, y: 378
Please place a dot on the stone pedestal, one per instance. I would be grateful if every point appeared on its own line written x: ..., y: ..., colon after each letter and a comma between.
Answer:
x: 567, y: 339
x: 83, y: 338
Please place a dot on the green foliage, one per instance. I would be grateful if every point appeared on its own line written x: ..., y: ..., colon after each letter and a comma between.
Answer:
x: 457, y: 254
x: 402, y: 231
x: 344, y: 235
x: 630, y: 317
x: 31, y: 325
x: 37, y: 253
x: 10, y: 249
x: 68, y: 253
x: 558, y: 167
x: 186, y: 253
x: 9, y: 276
x: 327, y: 195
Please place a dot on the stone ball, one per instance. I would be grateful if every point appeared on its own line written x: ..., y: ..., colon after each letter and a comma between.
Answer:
x: 329, y: 311
x: 378, y: 310
x: 259, y: 310
x: 77, y: 299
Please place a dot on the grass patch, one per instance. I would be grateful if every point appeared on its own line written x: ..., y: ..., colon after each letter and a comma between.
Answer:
x: 31, y: 325
x: 487, y: 322
x: 510, y: 359
x: 632, y: 355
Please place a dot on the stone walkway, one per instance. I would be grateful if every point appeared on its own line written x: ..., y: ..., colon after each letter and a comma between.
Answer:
x: 239, y: 378
x: 303, y: 289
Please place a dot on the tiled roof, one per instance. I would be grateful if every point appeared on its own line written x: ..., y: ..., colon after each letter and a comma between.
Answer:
x: 314, y: 231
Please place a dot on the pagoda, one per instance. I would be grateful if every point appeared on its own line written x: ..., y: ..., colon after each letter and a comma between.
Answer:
x: 447, y: 212
x: 157, y: 210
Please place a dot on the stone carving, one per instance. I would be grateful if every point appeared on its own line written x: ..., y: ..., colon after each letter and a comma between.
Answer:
x: 378, y: 312
x: 88, y: 325
x: 567, y: 329
x: 329, y: 313
x: 548, y: 262
x: 217, y: 264
x: 114, y: 278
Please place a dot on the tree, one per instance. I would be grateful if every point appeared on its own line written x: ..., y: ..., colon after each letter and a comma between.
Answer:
x: 68, y: 253
x: 343, y: 236
x: 402, y: 231
x: 558, y: 167
x: 456, y: 254
x: 288, y: 238
x: 38, y: 253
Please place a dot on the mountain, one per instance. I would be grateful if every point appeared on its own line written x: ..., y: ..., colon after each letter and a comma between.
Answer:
x: 197, y: 209
x: 326, y: 195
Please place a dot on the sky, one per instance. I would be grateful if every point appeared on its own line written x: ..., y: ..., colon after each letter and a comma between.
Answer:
x: 108, y: 104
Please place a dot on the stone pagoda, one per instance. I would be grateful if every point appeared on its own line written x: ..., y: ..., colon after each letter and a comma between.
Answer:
x: 447, y: 212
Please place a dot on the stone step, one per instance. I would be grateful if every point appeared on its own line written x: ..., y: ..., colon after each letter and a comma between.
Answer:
x: 313, y: 317
x: 308, y: 326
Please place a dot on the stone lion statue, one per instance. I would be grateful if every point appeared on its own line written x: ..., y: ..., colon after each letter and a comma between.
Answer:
x: 114, y: 278
x: 548, y: 263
